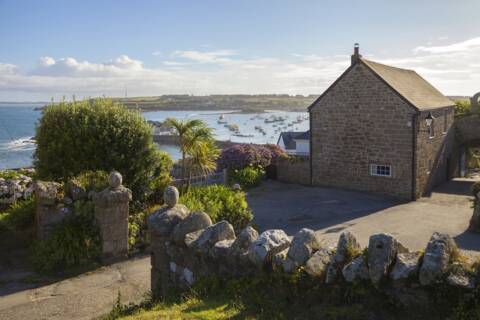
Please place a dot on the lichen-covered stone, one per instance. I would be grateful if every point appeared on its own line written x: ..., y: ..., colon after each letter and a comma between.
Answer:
x: 356, y: 270
x: 221, y: 249
x: 46, y: 192
x: 267, y: 245
x: 319, y: 262
x: 382, y: 250
x: 436, y: 258
x: 162, y: 221
x: 304, y: 243
x: 115, y: 179
x: 193, y: 222
x: 244, y: 240
x: 191, y: 237
x: 461, y: 279
x: 171, y: 196
x: 406, y: 266
x: 213, y: 234
x: 347, y: 246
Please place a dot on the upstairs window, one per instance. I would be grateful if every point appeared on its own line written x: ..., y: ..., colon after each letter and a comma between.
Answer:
x: 380, y: 170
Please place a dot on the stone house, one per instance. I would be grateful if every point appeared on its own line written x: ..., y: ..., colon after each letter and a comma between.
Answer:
x: 382, y: 129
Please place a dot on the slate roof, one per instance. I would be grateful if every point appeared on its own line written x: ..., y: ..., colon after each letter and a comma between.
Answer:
x: 290, y: 137
x: 410, y: 85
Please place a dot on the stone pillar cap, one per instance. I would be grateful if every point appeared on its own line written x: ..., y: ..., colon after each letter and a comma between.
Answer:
x: 170, y: 196
x: 115, y: 180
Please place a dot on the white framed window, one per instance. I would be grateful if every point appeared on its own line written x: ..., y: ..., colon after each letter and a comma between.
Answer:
x: 380, y: 170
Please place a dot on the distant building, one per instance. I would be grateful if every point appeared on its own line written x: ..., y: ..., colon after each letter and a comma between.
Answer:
x: 380, y: 129
x: 295, y: 143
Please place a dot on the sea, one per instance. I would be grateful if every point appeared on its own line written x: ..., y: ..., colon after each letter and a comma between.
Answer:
x: 18, y: 123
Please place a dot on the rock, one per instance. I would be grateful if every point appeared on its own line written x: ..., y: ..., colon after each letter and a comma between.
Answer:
x: 277, y: 260
x: 267, y: 245
x: 75, y: 190
x: 191, y: 237
x: 406, y: 266
x: 171, y: 196
x: 244, y: 240
x: 347, y: 243
x: 436, y: 258
x: 162, y: 221
x: 221, y: 249
x: 356, y: 270
x: 213, y: 234
x: 67, y: 200
x: 382, y: 250
x: 46, y: 192
x: 303, y: 245
x: 318, y: 264
x: 115, y: 180
x: 347, y: 247
x: 461, y: 279
x: 193, y: 222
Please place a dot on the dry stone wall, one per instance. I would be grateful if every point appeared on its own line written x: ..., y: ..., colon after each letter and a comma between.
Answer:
x: 186, y: 247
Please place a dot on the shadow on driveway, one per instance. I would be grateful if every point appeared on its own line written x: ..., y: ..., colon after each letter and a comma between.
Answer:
x: 291, y: 207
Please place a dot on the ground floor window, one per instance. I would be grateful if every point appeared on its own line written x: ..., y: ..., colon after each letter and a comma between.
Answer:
x: 380, y: 170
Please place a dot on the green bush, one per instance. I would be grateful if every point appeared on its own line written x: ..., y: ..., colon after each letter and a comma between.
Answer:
x: 462, y: 107
x: 220, y: 203
x: 92, y: 180
x: 98, y: 134
x: 247, y: 177
x: 72, y: 242
x: 21, y: 215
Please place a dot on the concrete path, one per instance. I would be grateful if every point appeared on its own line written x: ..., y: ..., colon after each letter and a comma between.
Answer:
x: 86, y: 296
x: 330, y: 211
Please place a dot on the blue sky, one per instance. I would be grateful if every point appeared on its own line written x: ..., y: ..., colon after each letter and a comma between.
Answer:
x: 89, y: 48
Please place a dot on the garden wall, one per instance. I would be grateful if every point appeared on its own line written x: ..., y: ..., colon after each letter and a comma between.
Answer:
x: 294, y: 169
x: 187, y: 247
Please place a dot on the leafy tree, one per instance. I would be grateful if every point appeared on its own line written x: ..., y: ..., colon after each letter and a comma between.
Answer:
x: 97, y: 134
x: 462, y: 107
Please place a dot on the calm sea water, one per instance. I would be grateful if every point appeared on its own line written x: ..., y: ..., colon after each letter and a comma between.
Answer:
x: 17, y: 127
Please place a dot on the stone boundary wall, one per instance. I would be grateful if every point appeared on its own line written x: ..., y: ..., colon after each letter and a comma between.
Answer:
x: 186, y: 247
x: 294, y: 169
x: 55, y: 202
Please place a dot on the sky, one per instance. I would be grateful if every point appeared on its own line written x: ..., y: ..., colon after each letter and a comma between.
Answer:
x: 54, y: 49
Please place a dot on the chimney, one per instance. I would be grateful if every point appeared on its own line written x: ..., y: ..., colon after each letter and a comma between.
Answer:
x: 356, y: 53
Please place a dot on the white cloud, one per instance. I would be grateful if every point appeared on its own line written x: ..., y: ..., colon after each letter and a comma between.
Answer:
x: 455, y: 47
x: 217, y: 56
x: 453, y: 68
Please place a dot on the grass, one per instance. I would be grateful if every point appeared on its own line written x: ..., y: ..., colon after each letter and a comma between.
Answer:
x: 209, y: 309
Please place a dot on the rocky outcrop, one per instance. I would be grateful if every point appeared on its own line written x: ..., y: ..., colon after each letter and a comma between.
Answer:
x: 436, y: 258
x: 17, y: 187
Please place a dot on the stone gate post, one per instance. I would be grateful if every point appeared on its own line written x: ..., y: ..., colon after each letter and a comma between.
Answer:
x: 111, y: 216
x: 46, y: 212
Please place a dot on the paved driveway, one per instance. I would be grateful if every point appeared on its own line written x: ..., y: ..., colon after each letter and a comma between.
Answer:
x: 330, y: 211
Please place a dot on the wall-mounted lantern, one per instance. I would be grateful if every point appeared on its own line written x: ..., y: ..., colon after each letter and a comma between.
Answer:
x: 429, y: 122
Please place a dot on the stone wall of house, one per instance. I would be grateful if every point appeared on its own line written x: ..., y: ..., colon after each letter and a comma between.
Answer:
x: 186, y: 247
x: 434, y: 151
x: 360, y: 121
x: 294, y: 169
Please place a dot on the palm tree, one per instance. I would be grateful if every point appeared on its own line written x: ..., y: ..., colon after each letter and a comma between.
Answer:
x: 203, y: 158
x: 191, y: 134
